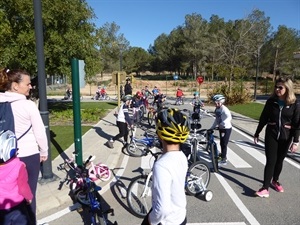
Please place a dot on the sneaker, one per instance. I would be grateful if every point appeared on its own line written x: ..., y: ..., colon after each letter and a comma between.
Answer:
x: 110, y: 144
x: 277, y: 186
x: 223, y: 162
x: 263, y: 193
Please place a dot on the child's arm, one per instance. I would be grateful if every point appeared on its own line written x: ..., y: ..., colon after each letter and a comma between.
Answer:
x: 23, y: 185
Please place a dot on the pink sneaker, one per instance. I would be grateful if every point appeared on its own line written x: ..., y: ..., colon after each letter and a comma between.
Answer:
x: 263, y: 193
x: 277, y: 186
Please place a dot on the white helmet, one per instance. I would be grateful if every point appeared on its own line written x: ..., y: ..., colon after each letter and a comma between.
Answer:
x: 218, y: 98
x: 8, y: 145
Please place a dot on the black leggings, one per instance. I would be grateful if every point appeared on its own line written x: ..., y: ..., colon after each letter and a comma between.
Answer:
x: 123, y: 131
x: 33, y: 168
x: 276, y: 151
x: 224, y: 139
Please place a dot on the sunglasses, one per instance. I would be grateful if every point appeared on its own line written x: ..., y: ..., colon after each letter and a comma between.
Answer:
x: 279, y: 87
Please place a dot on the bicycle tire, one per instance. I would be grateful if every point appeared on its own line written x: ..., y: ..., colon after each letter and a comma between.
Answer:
x: 195, y: 150
x: 139, y: 205
x: 136, y: 149
x: 82, y: 197
x: 197, y: 179
x: 150, y: 118
x: 103, y: 171
x: 214, y: 157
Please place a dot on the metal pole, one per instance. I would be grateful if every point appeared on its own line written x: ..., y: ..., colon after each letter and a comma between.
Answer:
x: 76, y: 111
x: 47, y: 174
x: 256, y: 73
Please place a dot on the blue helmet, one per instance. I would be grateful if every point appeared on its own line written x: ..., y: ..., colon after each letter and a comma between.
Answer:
x: 8, y: 145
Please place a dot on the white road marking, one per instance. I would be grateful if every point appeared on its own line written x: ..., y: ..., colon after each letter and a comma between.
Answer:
x: 233, y: 158
x: 251, y: 151
x: 237, y: 201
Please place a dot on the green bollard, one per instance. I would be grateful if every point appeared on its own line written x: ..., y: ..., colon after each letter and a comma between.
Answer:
x: 76, y: 111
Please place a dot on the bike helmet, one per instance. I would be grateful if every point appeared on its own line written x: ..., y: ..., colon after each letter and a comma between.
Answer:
x: 196, y: 94
x: 126, y: 98
x: 218, y: 98
x: 172, y: 126
x: 8, y: 145
x: 139, y: 94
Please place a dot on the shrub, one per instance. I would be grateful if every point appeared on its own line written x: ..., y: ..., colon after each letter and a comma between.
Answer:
x: 237, y: 95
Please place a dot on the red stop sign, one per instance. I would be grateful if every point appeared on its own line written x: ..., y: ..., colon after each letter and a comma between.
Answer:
x: 200, y: 79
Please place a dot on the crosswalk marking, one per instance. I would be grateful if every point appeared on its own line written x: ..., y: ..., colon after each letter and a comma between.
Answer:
x: 233, y: 158
x: 251, y: 151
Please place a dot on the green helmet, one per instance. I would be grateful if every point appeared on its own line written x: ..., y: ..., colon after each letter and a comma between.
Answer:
x: 126, y: 98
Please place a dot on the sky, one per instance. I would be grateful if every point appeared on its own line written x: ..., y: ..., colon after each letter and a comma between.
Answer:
x: 142, y: 21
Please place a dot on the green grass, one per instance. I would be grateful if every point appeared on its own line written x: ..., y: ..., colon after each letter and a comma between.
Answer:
x: 61, y: 122
x: 252, y: 110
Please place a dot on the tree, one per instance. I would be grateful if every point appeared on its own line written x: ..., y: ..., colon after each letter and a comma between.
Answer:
x: 67, y: 34
x: 112, y: 44
x: 195, y: 32
x: 136, y: 60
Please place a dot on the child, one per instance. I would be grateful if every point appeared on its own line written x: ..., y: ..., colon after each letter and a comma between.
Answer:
x: 15, y: 192
x: 223, y: 122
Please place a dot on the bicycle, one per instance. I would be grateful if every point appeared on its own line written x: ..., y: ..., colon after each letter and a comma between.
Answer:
x: 151, y: 116
x: 138, y: 147
x: 98, y: 171
x: 138, y: 115
x: 179, y: 101
x: 85, y: 191
x: 212, y: 149
x: 139, y: 197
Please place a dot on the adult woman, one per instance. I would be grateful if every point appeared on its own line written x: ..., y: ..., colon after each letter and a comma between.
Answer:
x: 281, y: 114
x: 33, y: 146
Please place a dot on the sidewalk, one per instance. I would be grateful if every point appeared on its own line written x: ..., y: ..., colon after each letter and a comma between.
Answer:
x: 52, y: 194
x: 49, y: 196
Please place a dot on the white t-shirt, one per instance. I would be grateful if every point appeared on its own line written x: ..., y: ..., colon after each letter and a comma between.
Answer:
x: 168, y: 189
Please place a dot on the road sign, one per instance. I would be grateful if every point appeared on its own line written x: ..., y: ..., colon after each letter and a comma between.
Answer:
x: 175, y: 77
x: 200, y: 79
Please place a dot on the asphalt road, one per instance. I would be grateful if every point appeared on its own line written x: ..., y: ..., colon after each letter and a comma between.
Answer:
x: 233, y: 190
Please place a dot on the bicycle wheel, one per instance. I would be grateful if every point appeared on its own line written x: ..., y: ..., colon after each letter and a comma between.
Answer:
x: 139, y: 196
x: 82, y: 197
x: 197, y: 179
x: 96, y: 213
x: 150, y: 118
x: 103, y: 172
x: 214, y: 154
x: 194, y: 150
x: 136, y: 149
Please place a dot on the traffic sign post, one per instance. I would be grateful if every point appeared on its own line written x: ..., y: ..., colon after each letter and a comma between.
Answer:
x: 200, y: 80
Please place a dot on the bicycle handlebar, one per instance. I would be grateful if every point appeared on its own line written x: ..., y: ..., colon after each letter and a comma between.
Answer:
x: 154, y: 154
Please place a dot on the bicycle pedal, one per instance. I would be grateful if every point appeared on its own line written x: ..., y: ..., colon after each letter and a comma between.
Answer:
x: 110, y: 211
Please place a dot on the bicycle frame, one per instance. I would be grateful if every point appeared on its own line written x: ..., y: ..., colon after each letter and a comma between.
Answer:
x: 212, y: 149
x: 98, y: 171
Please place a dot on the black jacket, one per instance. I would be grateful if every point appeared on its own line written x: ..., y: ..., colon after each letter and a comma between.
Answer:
x: 128, y: 89
x: 283, y: 123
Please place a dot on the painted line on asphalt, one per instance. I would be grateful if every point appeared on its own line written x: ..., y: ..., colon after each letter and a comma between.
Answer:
x: 251, y: 151
x: 234, y: 159
x: 221, y: 223
x: 240, y: 205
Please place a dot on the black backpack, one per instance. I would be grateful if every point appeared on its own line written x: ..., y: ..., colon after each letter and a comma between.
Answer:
x: 7, y: 121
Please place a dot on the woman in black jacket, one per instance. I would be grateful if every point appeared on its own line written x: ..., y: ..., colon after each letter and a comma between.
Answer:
x: 281, y: 114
